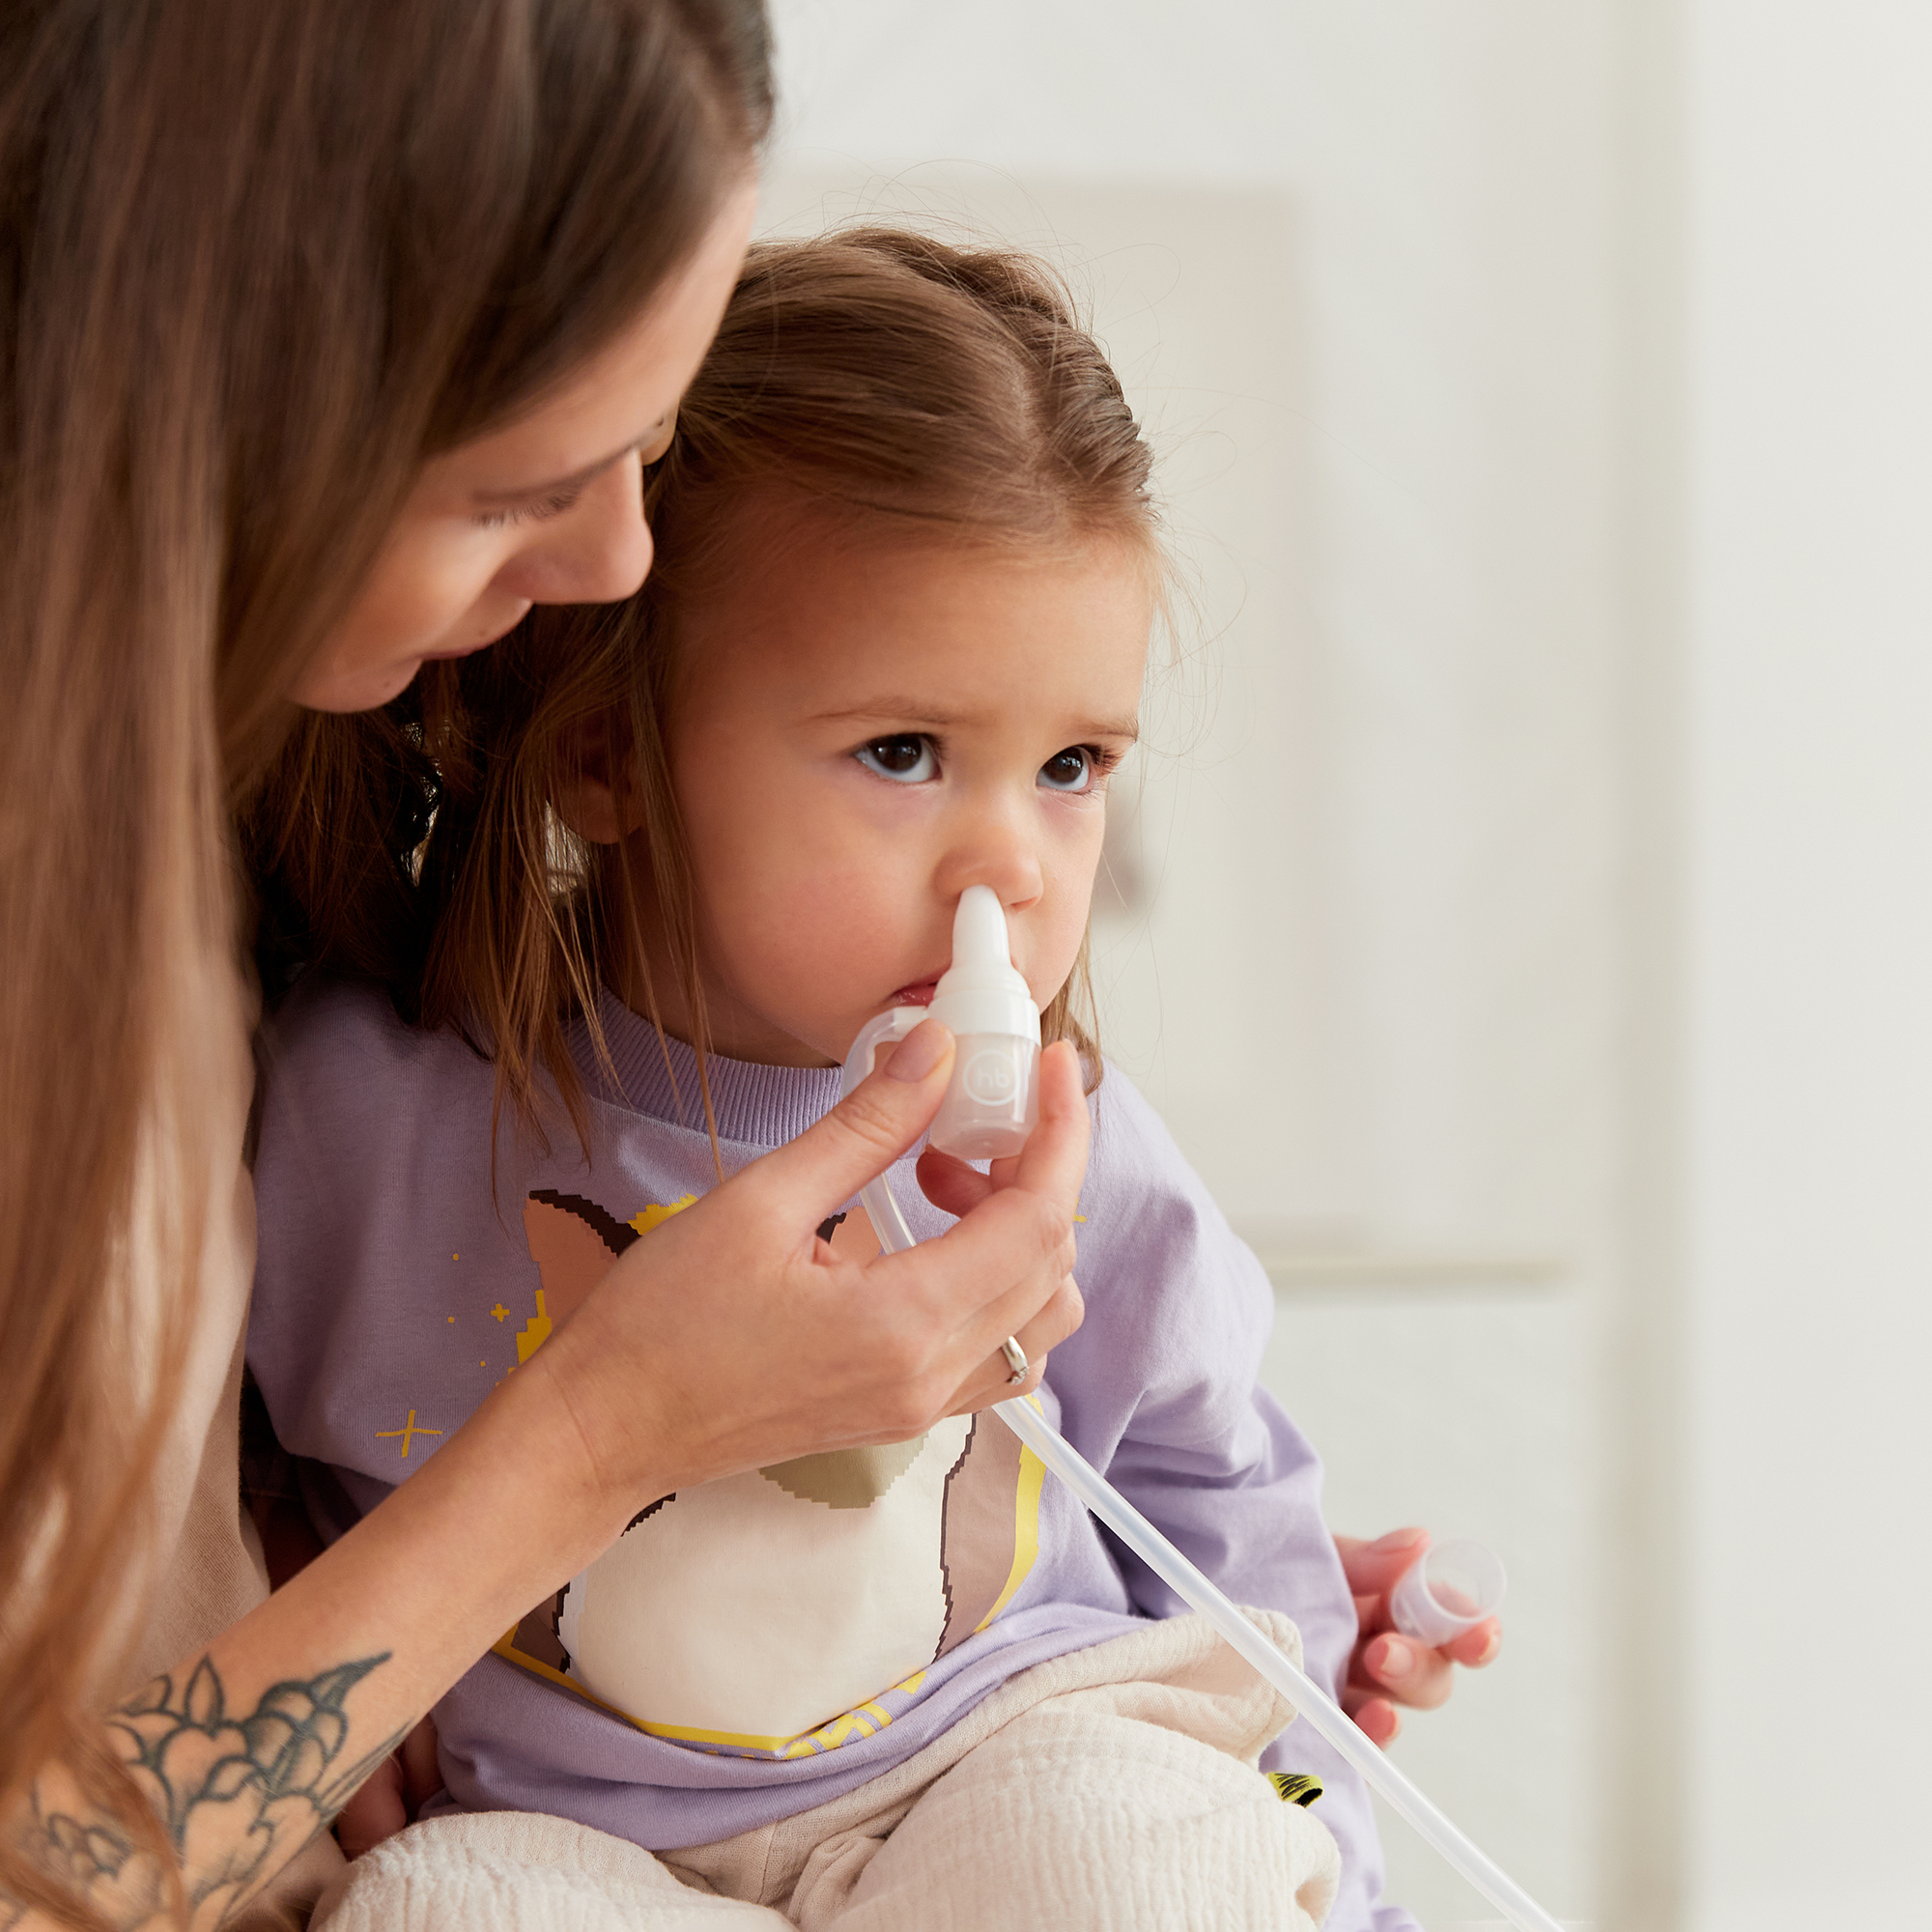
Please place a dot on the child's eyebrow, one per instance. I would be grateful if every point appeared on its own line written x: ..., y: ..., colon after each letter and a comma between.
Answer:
x: 917, y: 715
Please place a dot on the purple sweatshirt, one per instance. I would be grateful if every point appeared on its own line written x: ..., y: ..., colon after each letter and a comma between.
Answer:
x: 755, y: 1646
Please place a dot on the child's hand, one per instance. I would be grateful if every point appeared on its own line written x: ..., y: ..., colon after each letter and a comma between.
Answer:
x: 1388, y: 1668
x: 393, y: 1794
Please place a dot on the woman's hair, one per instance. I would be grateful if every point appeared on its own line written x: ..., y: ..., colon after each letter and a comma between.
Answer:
x: 885, y: 380
x: 257, y: 259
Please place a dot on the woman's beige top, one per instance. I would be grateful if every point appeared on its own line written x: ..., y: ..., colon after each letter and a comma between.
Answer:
x: 208, y: 1557
x: 211, y: 1560
x: 211, y: 1573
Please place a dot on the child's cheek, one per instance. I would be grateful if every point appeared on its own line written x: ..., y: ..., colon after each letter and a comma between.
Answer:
x: 1057, y: 945
x: 1070, y: 902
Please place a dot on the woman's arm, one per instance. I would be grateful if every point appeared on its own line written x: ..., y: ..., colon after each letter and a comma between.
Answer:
x: 731, y: 1338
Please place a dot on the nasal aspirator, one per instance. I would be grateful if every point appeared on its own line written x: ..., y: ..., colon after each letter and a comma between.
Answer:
x: 991, y: 1105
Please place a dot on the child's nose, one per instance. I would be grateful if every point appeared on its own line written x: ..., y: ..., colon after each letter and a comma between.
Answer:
x: 993, y: 852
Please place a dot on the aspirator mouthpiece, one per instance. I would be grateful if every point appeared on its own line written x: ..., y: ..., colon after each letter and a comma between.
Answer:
x: 992, y: 1104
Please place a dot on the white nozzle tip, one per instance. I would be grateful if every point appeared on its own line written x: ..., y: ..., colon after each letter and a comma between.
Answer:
x: 982, y: 991
x: 979, y: 929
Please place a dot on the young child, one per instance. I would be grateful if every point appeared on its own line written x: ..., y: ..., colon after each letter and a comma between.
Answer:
x: 684, y: 849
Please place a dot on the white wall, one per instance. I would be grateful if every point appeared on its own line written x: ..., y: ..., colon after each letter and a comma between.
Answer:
x: 1809, y: 394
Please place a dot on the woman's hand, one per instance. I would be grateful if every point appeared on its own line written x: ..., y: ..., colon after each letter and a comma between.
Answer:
x: 733, y: 1337
x: 1386, y: 1667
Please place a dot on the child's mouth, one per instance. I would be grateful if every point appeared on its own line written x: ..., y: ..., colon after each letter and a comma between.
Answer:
x: 918, y: 995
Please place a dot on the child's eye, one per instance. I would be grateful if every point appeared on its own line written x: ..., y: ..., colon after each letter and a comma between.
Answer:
x: 907, y: 758
x: 537, y: 512
x: 1074, y: 769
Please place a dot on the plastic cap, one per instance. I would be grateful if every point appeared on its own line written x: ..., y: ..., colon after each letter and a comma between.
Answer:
x: 1450, y: 1590
x: 981, y: 992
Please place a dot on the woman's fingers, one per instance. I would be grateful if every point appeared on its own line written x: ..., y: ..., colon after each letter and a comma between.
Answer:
x: 814, y: 1175
x: 951, y: 1186
x: 993, y: 1380
x: 971, y: 1266
x: 1050, y: 1169
x: 730, y: 1338
x: 1054, y: 1161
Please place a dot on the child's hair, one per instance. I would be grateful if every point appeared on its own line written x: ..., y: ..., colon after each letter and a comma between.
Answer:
x: 878, y: 376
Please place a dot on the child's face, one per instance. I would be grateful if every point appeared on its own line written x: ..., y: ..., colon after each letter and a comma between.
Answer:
x: 862, y: 731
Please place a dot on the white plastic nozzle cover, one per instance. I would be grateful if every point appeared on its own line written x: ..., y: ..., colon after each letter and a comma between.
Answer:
x: 992, y: 1104
x: 983, y: 992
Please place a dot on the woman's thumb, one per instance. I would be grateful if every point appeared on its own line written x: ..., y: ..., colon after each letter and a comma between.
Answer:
x: 869, y: 1129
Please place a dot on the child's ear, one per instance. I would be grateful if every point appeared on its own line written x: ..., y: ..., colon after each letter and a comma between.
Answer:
x: 587, y: 800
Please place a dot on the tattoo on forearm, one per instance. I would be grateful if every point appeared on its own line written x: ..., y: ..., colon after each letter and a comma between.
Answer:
x: 237, y: 1794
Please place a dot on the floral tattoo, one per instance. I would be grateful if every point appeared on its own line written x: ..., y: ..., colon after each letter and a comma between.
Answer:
x: 237, y: 1794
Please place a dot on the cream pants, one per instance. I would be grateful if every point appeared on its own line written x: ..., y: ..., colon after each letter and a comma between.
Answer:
x: 1109, y: 1790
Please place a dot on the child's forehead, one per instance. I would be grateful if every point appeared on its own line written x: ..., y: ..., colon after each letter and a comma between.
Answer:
x: 800, y: 568
x: 925, y: 625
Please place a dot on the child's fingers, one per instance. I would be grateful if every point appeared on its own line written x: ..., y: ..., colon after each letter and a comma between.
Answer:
x: 1372, y: 1568
x: 422, y: 1775
x: 375, y: 1812
x: 1375, y: 1718
x: 1405, y: 1671
x: 1476, y: 1646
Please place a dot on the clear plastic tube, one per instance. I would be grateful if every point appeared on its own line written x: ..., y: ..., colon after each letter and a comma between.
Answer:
x: 1324, y: 1715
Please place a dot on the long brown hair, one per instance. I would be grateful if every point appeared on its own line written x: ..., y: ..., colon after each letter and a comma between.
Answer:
x: 886, y: 377
x: 256, y: 261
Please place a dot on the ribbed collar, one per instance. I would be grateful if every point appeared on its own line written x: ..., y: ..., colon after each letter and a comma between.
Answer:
x: 760, y: 1106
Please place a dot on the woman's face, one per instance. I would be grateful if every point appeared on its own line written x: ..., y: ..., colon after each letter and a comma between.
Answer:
x: 548, y: 510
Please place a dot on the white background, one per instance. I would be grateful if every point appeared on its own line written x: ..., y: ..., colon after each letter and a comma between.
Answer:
x: 1526, y: 925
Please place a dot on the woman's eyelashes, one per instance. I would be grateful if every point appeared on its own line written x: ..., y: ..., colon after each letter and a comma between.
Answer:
x: 907, y: 757
x: 538, y: 510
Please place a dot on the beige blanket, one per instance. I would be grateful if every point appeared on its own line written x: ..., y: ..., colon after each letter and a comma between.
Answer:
x: 1111, y: 1790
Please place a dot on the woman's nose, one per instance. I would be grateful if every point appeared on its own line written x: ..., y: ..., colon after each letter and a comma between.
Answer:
x: 597, y: 552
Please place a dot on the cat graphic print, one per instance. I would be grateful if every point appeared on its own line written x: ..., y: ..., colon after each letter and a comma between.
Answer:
x: 780, y: 1613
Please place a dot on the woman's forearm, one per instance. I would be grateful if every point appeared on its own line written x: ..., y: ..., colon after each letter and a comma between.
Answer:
x: 726, y: 1341
x: 248, y: 1749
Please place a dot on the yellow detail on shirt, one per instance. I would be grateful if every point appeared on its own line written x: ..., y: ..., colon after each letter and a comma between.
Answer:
x: 1026, y: 1529
x: 829, y: 1736
x: 534, y: 1333
x: 649, y: 1217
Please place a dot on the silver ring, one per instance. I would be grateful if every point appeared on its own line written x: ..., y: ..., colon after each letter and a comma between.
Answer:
x: 1015, y: 1361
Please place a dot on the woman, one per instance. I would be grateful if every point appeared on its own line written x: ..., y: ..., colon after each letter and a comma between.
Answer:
x: 257, y: 262
x: 333, y: 335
